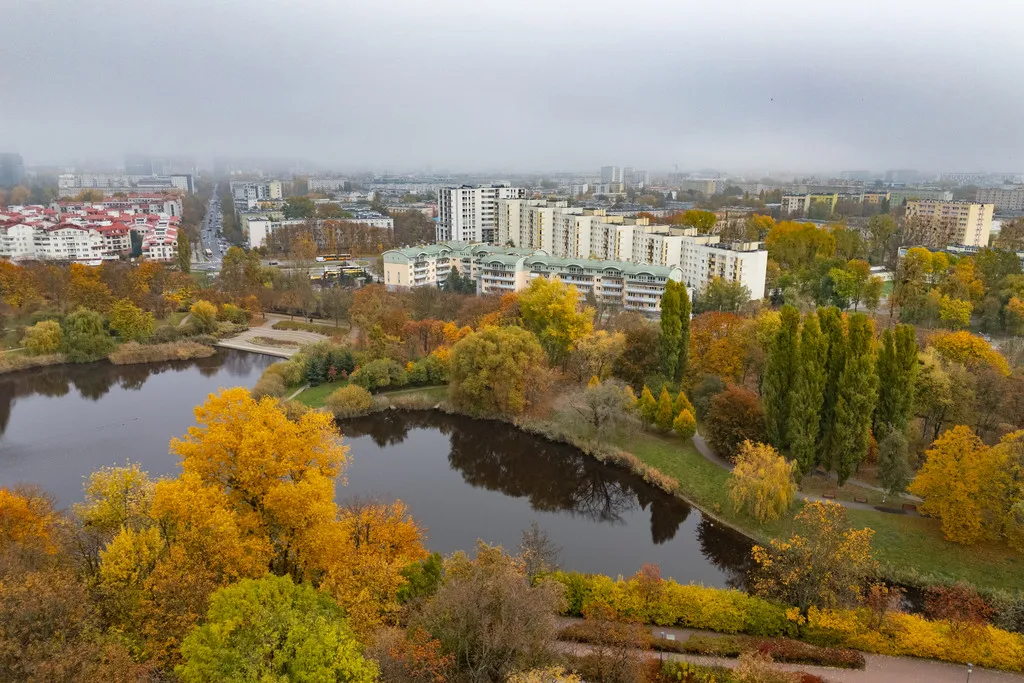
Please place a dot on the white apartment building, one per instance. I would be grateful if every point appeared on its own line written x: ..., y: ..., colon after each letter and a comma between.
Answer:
x: 498, y: 271
x: 68, y: 242
x: 568, y: 232
x: 966, y: 223
x: 248, y: 194
x: 469, y: 214
x: 325, y: 184
x: 1003, y: 199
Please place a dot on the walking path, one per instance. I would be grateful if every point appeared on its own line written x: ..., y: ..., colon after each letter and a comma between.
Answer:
x: 877, y: 669
x: 704, y: 449
x: 247, y: 341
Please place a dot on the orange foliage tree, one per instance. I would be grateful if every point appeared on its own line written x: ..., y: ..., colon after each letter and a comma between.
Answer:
x: 718, y: 345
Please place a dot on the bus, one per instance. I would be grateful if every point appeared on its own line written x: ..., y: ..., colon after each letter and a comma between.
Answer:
x: 208, y: 252
x: 334, y: 257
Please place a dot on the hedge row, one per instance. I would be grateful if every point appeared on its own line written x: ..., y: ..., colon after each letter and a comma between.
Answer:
x: 667, y: 603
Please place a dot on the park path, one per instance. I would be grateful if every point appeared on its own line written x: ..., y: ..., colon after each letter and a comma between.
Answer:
x: 247, y: 341
x: 704, y: 449
x: 877, y: 669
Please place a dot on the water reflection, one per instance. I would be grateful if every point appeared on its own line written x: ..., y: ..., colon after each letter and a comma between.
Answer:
x: 554, y: 479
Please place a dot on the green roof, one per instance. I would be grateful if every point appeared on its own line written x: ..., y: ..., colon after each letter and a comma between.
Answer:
x: 625, y: 267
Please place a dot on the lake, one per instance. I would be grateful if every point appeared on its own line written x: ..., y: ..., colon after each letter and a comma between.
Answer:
x: 462, y: 479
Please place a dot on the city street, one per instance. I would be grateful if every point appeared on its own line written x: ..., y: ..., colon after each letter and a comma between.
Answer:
x: 212, y: 245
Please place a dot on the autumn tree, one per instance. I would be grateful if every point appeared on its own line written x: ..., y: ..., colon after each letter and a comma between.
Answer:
x: 241, y: 273
x: 273, y: 629
x: 665, y: 414
x: 551, y: 310
x: 596, y: 354
x: 685, y: 424
x: 130, y: 322
x: 669, y: 342
x: 204, y: 316
x: 734, y: 416
x: 647, y: 406
x: 497, y: 370
x: 969, y: 350
x: 824, y: 563
x: 720, y: 294
x: 470, y: 615
x: 964, y: 484
x: 858, y: 386
x: 761, y: 483
x: 808, y: 394
x: 639, y: 358
x: 602, y: 406
x: 718, y: 346
x: 42, y: 338
x: 84, y: 337
x: 86, y: 289
x: 184, y: 257
x: 703, y: 221
x: 897, y: 378
x: 779, y: 377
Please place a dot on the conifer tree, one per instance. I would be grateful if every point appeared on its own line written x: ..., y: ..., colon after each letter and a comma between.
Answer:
x: 808, y: 396
x: 685, y: 307
x: 833, y: 328
x: 664, y: 415
x: 685, y: 425
x: 682, y: 403
x: 858, y: 390
x: 648, y: 406
x: 897, y: 379
x: 671, y: 329
x: 778, y: 377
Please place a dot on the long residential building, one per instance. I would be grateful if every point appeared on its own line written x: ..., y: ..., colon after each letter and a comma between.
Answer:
x: 800, y: 204
x: 500, y: 270
x: 149, y: 204
x: 469, y: 214
x: 1003, y: 199
x: 965, y: 223
x: 73, y: 184
x: 570, y: 232
x: 248, y: 194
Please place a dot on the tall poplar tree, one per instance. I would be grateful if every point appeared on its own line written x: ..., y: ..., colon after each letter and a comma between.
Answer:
x: 897, y: 379
x: 779, y: 374
x: 671, y: 329
x: 833, y: 328
x: 685, y: 308
x: 858, y: 389
x: 808, y: 395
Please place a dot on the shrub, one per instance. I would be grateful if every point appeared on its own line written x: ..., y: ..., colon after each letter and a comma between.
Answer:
x: 84, y: 338
x: 292, y: 371
x: 299, y: 325
x: 133, y: 352
x: 233, y: 314
x: 167, y: 333
x: 709, y: 387
x: 269, y: 385
x: 326, y: 362
x: 43, y: 338
x: 378, y: 374
x: 349, y: 401
x: 130, y: 322
x: 204, y: 317
x: 734, y: 416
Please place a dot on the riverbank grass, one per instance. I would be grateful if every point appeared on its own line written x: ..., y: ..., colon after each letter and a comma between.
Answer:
x: 314, y: 397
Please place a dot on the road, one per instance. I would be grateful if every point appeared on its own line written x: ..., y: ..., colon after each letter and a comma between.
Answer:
x: 210, y: 237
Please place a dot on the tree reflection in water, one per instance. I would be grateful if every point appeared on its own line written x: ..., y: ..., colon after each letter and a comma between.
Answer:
x: 553, y: 477
x: 727, y: 549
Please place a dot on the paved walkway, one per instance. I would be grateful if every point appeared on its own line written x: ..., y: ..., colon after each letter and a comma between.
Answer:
x: 877, y: 669
x: 704, y: 449
x: 246, y: 341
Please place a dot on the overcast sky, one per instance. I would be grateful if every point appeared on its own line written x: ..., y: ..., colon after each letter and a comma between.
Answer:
x: 519, y: 85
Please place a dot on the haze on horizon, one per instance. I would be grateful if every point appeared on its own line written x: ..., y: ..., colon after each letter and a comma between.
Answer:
x: 530, y: 85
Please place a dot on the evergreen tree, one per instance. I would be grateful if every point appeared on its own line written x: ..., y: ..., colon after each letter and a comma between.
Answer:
x: 858, y: 389
x: 682, y: 403
x: 833, y: 328
x: 664, y: 416
x: 685, y: 307
x: 897, y: 379
x: 808, y: 395
x: 671, y: 329
x: 778, y: 377
x: 648, y: 406
x: 893, y: 467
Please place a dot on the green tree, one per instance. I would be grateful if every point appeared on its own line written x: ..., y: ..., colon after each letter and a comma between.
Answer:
x: 42, y: 338
x: 130, y: 322
x: 721, y: 295
x: 84, y: 338
x: 858, y: 387
x: 897, y: 379
x: 184, y: 258
x: 664, y: 416
x: 273, y: 630
x: 704, y: 221
x: 808, y: 395
x: 779, y: 375
x: 671, y: 329
x: 299, y: 207
x: 685, y: 309
x: 893, y: 467
x: 497, y: 370
x: 833, y: 328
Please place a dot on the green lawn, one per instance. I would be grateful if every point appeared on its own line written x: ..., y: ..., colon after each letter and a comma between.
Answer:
x: 910, y: 548
x: 314, y: 396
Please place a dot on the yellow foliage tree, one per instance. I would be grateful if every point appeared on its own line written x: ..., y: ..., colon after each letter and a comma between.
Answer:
x: 954, y: 313
x: 965, y: 484
x: 551, y: 310
x: 664, y: 415
x: 969, y: 350
x: 762, y: 482
x: 685, y: 424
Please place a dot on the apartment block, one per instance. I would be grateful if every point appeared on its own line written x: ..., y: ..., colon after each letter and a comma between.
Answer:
x: 470, y: 214
x: 72, y: 184
x: 966, y: 223
x: 1003, y: 199
x: 325, y: 184
x: 248, y: 194
x: 500, y: 270
x: 901, y: 196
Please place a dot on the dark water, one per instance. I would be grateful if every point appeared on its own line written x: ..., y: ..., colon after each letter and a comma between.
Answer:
x: 466, y: 479
x: 59, y: 424
x: 462, y: 479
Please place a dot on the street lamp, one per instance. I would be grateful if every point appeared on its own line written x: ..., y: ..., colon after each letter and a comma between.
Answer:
x: 970, y: 668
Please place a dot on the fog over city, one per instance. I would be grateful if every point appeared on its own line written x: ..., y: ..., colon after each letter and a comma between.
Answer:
x: 529, y: 85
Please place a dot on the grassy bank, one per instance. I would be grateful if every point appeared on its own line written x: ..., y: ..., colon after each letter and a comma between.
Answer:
x: 133, y: 352
x: 314, y: 397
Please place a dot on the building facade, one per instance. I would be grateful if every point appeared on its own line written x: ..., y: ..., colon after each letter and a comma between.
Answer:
x: 965, y: 223
x: 1003, y: 199
x: 12, y: 169
x: 248, y: 194
x: 469, y: 214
